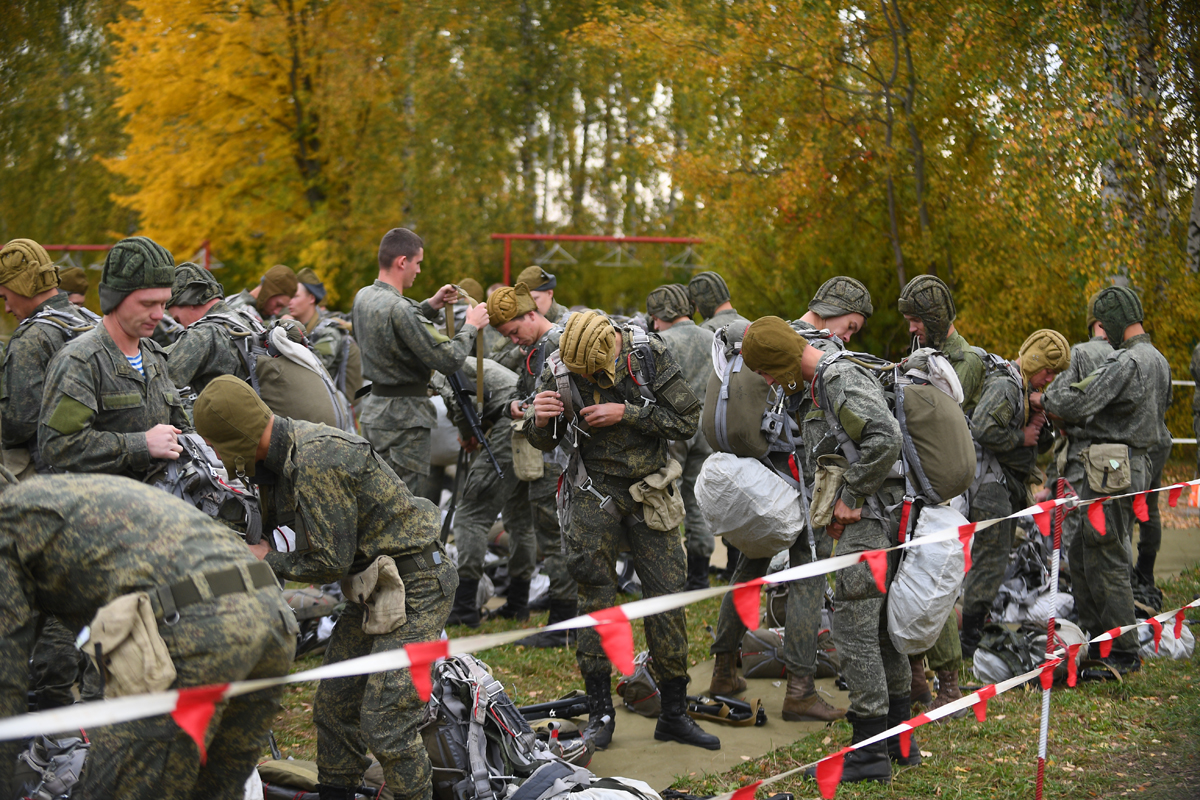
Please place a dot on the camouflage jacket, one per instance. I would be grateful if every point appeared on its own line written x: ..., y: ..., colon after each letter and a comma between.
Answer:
x: 499, y: 388
x: 33, y: 344
x: 532, y: 361
x: 638, y: 444
x: 331, y: 341
x: 96, y: 408
x: 1086, y: 358
x: 968, y: 366
x: 245, y: 303
x: 349, y: 505
x: 692, y: 347
x: 401, y: 347
x: 721, y: 319
x: 1127, y: 397
x: 999, y: 420
x: 557, y: 313
x: 70, y: 544
x: 205, y: 350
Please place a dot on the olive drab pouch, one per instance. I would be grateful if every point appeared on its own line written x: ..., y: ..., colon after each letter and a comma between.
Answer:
x: 662, y: 503
x: 1107, y: 467
x: 830, y: 475
x: 124, y: 642
x: 639, y: 690
x: 762, y: 654
x: 528, y: 464
x: 379, y: 588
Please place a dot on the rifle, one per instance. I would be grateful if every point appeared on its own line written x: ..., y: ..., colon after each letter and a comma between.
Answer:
x: 460, y: 472
x: 457, y: 384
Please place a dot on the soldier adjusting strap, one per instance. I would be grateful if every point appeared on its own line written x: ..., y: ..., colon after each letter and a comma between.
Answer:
x: 181, y: 594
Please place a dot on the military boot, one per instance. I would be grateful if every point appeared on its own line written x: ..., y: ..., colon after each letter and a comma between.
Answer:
x: 900, y: 710
x: 919, y: 691
x: 325, y: 792
x: 465, y: 611
x: 948, y: 692
x: 1145, y: 564
x: 697, y: 572
x: 674, y: 724
x: 803, y: 704
x: 971, y: 633
x: 870, y: 763
x: 516, y: 603
x: 725, y: 678
x: 560, y: 611
x: 602, y: 718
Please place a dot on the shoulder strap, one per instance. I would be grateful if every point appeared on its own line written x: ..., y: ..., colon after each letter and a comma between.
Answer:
x: 64, y: 322
x: 566, y: 388
x: 821, y: 397
x: 641, y: 363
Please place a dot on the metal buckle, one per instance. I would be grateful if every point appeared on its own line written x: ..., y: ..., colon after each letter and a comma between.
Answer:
x: 172, y: 620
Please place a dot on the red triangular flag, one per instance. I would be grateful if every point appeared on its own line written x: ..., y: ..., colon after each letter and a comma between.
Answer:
x: 1047, y: 676
x: 965, y: 532
x: 1072, y: 663
x: 1179, y: 617
x: 906, y: 736
x: 1106, y: 645
x: 985, y: 694
x: 746, y: 601
x: 1157, y: 626
x: 747, y: 791
x: 877, y: 561
x: 1140, y: 509
x: 1042, y: 518
x: 1173, y: 495
x: 1096, y: 516
x: 421, y: 657
x: 194, y: 709
x: 616, y: 637
x: 829, y: 772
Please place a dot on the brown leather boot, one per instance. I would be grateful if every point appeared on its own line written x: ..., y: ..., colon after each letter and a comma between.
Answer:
x: 948, y: 691
x: 919, y: 691
x: 725, y: 677
x: 803, y: 704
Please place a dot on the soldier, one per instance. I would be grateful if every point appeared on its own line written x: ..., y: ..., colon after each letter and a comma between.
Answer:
x: 841, y: 306
x: 73, y: 281
x: 1009, y: 436
x: 1127, y: 399
x: 354, y: 521
x: 71, y: 545
x: 108, y: 404
x: 470, y: 287
x: 400, y: 350
x: 329, y: 336
x: 204, y: 351
x: 670, y: 311
x: 877, y: 675
x: 513, y: 314
x: 621, y: 442
x: 270, y: 298
x: 541, y: 287
x: 710, y: 296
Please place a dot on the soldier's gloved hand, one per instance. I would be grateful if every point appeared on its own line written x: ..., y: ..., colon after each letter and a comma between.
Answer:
x: 163, y: 442
x: 843, y: 515
x: 478, y: 316
x: 603, y: 415
x: 546, y: 406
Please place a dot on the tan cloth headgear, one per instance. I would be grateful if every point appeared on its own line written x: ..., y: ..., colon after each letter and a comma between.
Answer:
x: 509, y: 302
x: 537, y: 279
x: 73, y: 280
x: 279, y: 279
x: 26, y: 268
x: 589, y: 346
x: 473, y: 289
x: 232, y: 418
x: 771, y: 346
x: 1044, y: 349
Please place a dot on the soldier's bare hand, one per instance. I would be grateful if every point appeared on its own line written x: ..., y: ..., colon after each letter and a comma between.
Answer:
x: 1034, y: 430
x: 516, y: 410
x: 163, y: 442
x: 470, y: 445
x: 843, y: 515
x: 260, y: 550
x: 604, y: 415
x: 1035, y: 400
x: 444, y: 295
x: 546, y: 406
x: 478, y: 316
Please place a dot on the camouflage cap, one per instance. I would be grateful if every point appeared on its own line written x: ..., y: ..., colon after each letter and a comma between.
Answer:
x: 193, y: 286
x: 509, y: 302
x: 132, y: 264
x: 707, y: 291
x: 26, y: 268
x: 473, y: 288
x: 1044, y: 349
x: 312, y: 282
x: 232, y: 418
x: 669, y: 302
x: 771, y: 346
x: 928, y: 298
x: 840, y: 296
x: 1116, y: 308
x: 588, y: 345
x: 537, y: 279
x: 73, y: 280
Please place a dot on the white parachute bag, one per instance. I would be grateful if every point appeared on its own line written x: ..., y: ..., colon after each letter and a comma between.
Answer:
x: 927, y: 583
x: 747, y: 503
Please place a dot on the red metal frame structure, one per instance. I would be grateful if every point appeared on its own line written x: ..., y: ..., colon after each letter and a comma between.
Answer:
x: 570, y: 237
x: 204, y: 248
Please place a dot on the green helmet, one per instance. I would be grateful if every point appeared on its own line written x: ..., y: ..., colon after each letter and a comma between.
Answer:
x: 928, y: 298
x: 840, y: 296
x: 708, y: 291
x: 132, y: 264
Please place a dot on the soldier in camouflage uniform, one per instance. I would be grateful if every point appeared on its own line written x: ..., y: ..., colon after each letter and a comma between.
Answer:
x: 73, y: 281
x: 1009, y: 437
x: 710, y: 296
x: 541, y: 288
x: 877, y: 675
x: 46, y: 321
x: 400, y: 350
x: 349, y: 512
x: 670, y: 311
x: 620, y: 440
x: 514, y: 314
x: 270, y: 298
x: 329, y: 335
x: 206, y: 350
x: 109, y: 404
x: 70, y: 544
x: 1127, y: 399
x: 841, y: 306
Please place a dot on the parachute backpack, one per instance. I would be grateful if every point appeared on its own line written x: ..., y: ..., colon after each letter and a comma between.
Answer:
x: 198, y: 478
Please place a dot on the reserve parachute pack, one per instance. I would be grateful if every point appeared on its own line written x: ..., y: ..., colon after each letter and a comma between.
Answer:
x: 198, y: 478
x: 49, y: 768
x: 736, y: 400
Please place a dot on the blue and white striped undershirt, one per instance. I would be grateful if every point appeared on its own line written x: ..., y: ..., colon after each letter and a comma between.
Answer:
x: 136, y: 363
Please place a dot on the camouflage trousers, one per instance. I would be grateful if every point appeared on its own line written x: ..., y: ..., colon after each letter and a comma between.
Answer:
x: 1100, y: 564
x: 593, y: 541
x: 871, y: 665
x: 380, y: 713
x: 57, y: 664
x: 540, y: 514
x: 991, y: 549
x: 691, y: 454
x: 1150, y: 531
x: 946, y: 653
x: 484, y: 495
x: 803, y: 616
x: 1074, y: 473
x: 230, y: 638
x: 407, y: 451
